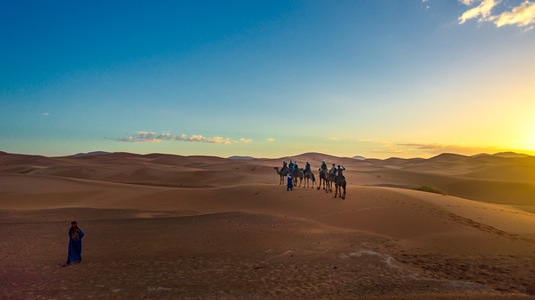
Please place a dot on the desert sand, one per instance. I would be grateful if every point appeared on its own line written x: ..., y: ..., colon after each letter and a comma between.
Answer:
x: 196, y: 227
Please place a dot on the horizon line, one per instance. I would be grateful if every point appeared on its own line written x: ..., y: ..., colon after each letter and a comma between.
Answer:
x: 244, y: 157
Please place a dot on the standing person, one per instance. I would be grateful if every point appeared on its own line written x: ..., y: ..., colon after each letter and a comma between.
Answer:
x: 75, y: 244
x: 290, y: 182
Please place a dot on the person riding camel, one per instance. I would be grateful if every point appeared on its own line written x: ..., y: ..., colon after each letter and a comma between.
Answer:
x: 340, y: 172
x: 323, y: 166
x: 307, y: 168
x: 296, y: 167
x: 333, y: 170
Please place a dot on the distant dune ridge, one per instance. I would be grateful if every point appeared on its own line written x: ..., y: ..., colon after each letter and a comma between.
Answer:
x: 169, y: 226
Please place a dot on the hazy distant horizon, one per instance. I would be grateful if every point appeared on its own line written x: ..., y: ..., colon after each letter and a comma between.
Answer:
x: 96, y: 153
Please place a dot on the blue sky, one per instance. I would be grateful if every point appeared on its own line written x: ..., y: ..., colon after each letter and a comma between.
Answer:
x: 377, y: 78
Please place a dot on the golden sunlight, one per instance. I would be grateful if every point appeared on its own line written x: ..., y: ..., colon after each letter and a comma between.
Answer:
x: 529, y: 143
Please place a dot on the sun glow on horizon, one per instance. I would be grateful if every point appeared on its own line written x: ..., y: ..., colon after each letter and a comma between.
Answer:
x: 531, y: 141
x: 529, y: 138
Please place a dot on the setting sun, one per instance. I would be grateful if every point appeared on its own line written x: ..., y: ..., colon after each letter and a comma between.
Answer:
x: 528, y: 141
x: 531, y: 141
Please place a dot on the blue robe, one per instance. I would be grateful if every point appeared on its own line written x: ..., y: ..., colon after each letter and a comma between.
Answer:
x: 75, y: 245
x: 290, y: 183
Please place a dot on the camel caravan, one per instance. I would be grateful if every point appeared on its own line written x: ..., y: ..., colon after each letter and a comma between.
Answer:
x: 327, y: 177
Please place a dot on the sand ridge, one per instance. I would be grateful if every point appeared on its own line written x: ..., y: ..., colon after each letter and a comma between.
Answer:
x: 167, y: 227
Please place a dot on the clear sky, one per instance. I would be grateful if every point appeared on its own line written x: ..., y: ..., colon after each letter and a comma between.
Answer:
x: 374, y: 78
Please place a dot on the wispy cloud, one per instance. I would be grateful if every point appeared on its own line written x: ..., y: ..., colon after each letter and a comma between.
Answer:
x: 383, y: 147
x: 271, y: 139
x: 467, y: 2
x: 441, y: 148
x: 153, y: 137
x: 427, y: 6
x: 522, y: 15
x: 482, y: 11
x: 143, y: 137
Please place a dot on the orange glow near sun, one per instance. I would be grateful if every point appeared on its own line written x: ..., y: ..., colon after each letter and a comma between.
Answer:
x: 529, y: 143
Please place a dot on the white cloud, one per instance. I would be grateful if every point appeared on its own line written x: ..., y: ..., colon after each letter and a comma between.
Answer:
x: 219, y: 140
x: 522, y: 15
x: 142, y: 137
x: 467, y: 2
x: 482, y: 11
x: 214, y: 140
x: 153, y: 137
x: 196, y: 138
x: 271, y: 139
x: 169, y: 137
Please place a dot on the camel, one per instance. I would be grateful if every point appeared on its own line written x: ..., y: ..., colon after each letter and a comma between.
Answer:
x: 309, y: 176
x: 329, y: 179
x: 298, y: 174
x: 323, y: 178
x: 340, y: 183
x: 282, y: 173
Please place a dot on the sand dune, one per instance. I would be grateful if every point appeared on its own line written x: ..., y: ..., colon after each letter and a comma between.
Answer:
x: 167, y: 227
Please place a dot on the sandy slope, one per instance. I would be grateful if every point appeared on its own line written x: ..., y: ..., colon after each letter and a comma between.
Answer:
x: 162, y: 226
